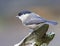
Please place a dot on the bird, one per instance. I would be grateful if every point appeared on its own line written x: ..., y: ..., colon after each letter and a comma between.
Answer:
x: 32, y: 20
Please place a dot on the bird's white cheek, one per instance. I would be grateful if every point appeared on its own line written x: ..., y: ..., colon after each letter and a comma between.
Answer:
x: 23, y: 17
x: 19, y: 17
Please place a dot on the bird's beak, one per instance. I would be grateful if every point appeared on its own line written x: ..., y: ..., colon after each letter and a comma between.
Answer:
x: 17, y: 16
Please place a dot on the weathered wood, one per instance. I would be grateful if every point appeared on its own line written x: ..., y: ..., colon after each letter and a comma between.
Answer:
x: 38, y: 37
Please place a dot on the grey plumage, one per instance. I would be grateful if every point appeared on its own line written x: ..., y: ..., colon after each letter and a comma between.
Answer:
x: 36, y: 19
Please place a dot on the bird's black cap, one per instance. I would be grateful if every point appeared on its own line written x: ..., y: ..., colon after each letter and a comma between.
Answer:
x: 24, y: 12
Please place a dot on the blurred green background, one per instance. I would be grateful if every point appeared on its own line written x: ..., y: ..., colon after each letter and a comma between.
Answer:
x: 11, y: 28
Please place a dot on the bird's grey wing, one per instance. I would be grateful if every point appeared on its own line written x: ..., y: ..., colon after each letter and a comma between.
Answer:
x: 34, y: 15
x: 35, y: 20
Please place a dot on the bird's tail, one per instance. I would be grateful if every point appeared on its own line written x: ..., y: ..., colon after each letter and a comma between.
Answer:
x: 52, y: 22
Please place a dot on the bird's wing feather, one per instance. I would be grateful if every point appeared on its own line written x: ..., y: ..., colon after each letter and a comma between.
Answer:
x: 34, y: 15
x: 35, y: 19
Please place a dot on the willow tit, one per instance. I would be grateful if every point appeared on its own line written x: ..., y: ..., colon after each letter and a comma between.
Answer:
x: 32, y: 20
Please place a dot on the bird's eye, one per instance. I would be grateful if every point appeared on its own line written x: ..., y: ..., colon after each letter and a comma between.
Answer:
x: 19, y: 14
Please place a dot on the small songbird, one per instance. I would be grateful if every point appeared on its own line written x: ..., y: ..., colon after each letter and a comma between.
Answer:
x: 32, y: 20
